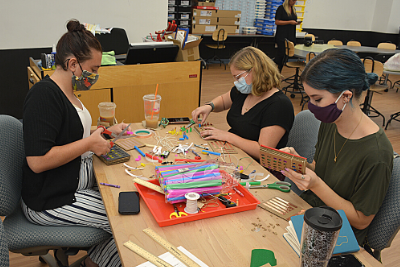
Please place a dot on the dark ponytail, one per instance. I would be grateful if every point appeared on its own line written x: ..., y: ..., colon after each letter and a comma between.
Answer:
x: 77, y: 42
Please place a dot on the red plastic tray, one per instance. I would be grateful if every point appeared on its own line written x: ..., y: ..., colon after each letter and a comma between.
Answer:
x: 161, y: 210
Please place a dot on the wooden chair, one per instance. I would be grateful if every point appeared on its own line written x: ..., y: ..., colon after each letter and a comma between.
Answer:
x: 306, y: 98
x: 293, y: 80
x: 218, y: 36
x: 335, y: 42
x: 384, y: 79
x: 310, y: 35
x: 373, y: 66
x: 353, y: 43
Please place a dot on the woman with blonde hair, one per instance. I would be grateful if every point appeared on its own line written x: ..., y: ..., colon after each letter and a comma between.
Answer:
x: 286, y: 21
x: 258, y: 113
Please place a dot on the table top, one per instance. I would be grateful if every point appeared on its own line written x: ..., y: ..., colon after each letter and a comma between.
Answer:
x: 301, y: 50
x: 219, y: 241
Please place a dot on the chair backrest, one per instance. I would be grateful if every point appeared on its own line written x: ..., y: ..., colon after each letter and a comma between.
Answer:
x: 310, y: 35
x: 387, y: 46
x: 386, y: 222
x: 372, y: 65
x: 116, y: 41
x: 304, y: 134
x: 4, y: 260
x: 310, y: 56
x: 335, y: 42
x: 289, y: 48
x: 12, y: 155
x: 219, y: 35
x: 353, y: 43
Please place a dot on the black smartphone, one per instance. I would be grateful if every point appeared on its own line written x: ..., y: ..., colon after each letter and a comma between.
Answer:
x: 128, y: 203
x: 183, y: 120
x: 348, y: 260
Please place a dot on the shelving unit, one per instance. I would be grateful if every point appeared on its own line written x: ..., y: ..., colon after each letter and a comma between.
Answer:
x: 300, y: 7
x: 181, y: 12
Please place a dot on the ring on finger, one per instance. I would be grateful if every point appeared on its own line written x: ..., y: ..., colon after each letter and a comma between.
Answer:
x: 302, y: 177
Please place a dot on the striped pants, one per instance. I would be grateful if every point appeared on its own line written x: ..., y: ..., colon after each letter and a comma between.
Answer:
x: 88, y: 210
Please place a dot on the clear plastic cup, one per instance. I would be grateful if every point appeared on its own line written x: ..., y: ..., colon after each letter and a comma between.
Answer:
x: 152, y: 110
x: 107, y: 112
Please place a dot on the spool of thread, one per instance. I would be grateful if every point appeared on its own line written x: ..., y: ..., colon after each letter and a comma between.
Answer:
x: 191, y: 202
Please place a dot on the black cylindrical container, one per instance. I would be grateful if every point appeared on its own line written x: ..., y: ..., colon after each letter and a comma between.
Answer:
x: 321, y: 229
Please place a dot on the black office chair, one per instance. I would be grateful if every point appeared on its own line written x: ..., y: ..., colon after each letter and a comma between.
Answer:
x: 116, y: 41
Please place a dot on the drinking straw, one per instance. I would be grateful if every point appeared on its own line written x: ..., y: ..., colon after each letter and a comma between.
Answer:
x: 155, y: 97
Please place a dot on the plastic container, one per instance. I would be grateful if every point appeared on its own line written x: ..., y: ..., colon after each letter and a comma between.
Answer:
x: 107, y: 112
x: 152, y: 110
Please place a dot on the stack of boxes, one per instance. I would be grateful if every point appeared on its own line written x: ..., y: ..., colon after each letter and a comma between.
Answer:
x: 207, y: 19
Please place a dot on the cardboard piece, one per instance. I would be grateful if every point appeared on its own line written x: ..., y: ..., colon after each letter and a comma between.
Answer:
x: 204, y: 13
x: 228, y: 21
x: 205, y: 20
x: 190, y: 52
x: 209, y: 29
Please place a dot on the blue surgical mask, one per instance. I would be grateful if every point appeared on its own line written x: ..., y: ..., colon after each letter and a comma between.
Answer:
x: 242, y: 86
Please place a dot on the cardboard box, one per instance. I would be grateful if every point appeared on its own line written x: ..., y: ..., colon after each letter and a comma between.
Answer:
x: 190, y: 52
x: 205, y: 20
x: 229, y: 13
x: 228, y: 21
x: 205, y: 3
x: 209, y: 29
x: 204, y: 13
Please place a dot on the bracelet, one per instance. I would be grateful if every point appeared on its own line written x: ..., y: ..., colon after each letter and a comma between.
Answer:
x: 211, y: 104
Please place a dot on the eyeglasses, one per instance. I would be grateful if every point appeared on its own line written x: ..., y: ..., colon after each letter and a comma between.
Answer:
x: 237, y: 77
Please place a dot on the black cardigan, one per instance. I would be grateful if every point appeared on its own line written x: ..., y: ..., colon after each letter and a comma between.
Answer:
x: 49, y: 120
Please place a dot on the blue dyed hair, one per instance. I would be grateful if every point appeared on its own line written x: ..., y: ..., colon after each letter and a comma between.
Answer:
x: 338, y: 70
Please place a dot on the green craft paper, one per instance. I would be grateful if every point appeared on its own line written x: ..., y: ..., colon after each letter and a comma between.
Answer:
x: 260, y: 257
x: 195, y: 184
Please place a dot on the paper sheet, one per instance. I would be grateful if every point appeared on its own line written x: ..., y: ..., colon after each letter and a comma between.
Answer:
x: 168, y: 257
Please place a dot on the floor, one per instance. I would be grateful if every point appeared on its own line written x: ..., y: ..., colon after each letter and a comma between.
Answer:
x: 216, y: 81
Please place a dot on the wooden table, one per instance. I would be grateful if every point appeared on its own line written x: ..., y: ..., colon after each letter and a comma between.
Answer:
x: 301, y: 50
x: 220, y: 241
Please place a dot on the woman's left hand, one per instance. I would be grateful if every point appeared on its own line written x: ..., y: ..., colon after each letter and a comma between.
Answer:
x: 118, y: 128
x: 213, y: 133
x: 303, y: 181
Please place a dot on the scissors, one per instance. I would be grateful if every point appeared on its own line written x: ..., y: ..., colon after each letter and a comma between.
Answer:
x: 114, y: 135
x: 176, y: 213
x: 281, y: 186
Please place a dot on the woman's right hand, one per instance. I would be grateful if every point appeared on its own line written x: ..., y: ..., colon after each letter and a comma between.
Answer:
x: 204, y: 111
x: 99, y: 145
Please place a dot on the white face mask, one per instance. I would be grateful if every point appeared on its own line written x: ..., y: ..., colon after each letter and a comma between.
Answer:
x: 242, y: 86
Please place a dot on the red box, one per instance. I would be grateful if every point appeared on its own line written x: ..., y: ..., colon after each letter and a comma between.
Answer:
x: 161, y: 210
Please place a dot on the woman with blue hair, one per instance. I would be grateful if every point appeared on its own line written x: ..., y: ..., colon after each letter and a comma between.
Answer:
x: 354, y: 159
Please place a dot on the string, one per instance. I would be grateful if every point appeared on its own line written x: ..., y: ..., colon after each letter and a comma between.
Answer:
x: 155, y: 97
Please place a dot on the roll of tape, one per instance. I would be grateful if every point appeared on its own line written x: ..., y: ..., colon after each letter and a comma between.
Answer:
x: 142, y: 133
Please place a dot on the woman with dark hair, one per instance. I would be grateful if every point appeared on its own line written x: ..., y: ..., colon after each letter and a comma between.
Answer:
x: 286, y: 21
x: 353, y: 159
x: 58, y: 186
x: 258, y: 113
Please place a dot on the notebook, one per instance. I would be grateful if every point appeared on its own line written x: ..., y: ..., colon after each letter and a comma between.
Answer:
x: 346, y: 242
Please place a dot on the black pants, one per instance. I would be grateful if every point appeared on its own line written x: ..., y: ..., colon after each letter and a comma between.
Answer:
x: 280, y: 55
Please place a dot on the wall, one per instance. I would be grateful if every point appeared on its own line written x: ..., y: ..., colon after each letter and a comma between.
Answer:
x: 40, y: 23
x: 354, y: 15
x: 29, y: 28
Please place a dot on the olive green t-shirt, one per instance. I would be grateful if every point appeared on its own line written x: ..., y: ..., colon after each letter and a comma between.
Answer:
x: 361, y: 173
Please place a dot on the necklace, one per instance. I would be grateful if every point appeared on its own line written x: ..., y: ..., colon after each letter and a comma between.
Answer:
x: 334, y: 140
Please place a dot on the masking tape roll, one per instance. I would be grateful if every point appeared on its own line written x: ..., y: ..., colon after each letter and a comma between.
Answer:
x: 142, y: 133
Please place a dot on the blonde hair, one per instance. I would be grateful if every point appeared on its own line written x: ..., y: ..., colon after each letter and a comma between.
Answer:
x: 287, y: 8
x: 265, y: 73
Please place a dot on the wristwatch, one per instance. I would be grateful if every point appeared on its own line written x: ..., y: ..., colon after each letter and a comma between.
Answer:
x: 211, y: 104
